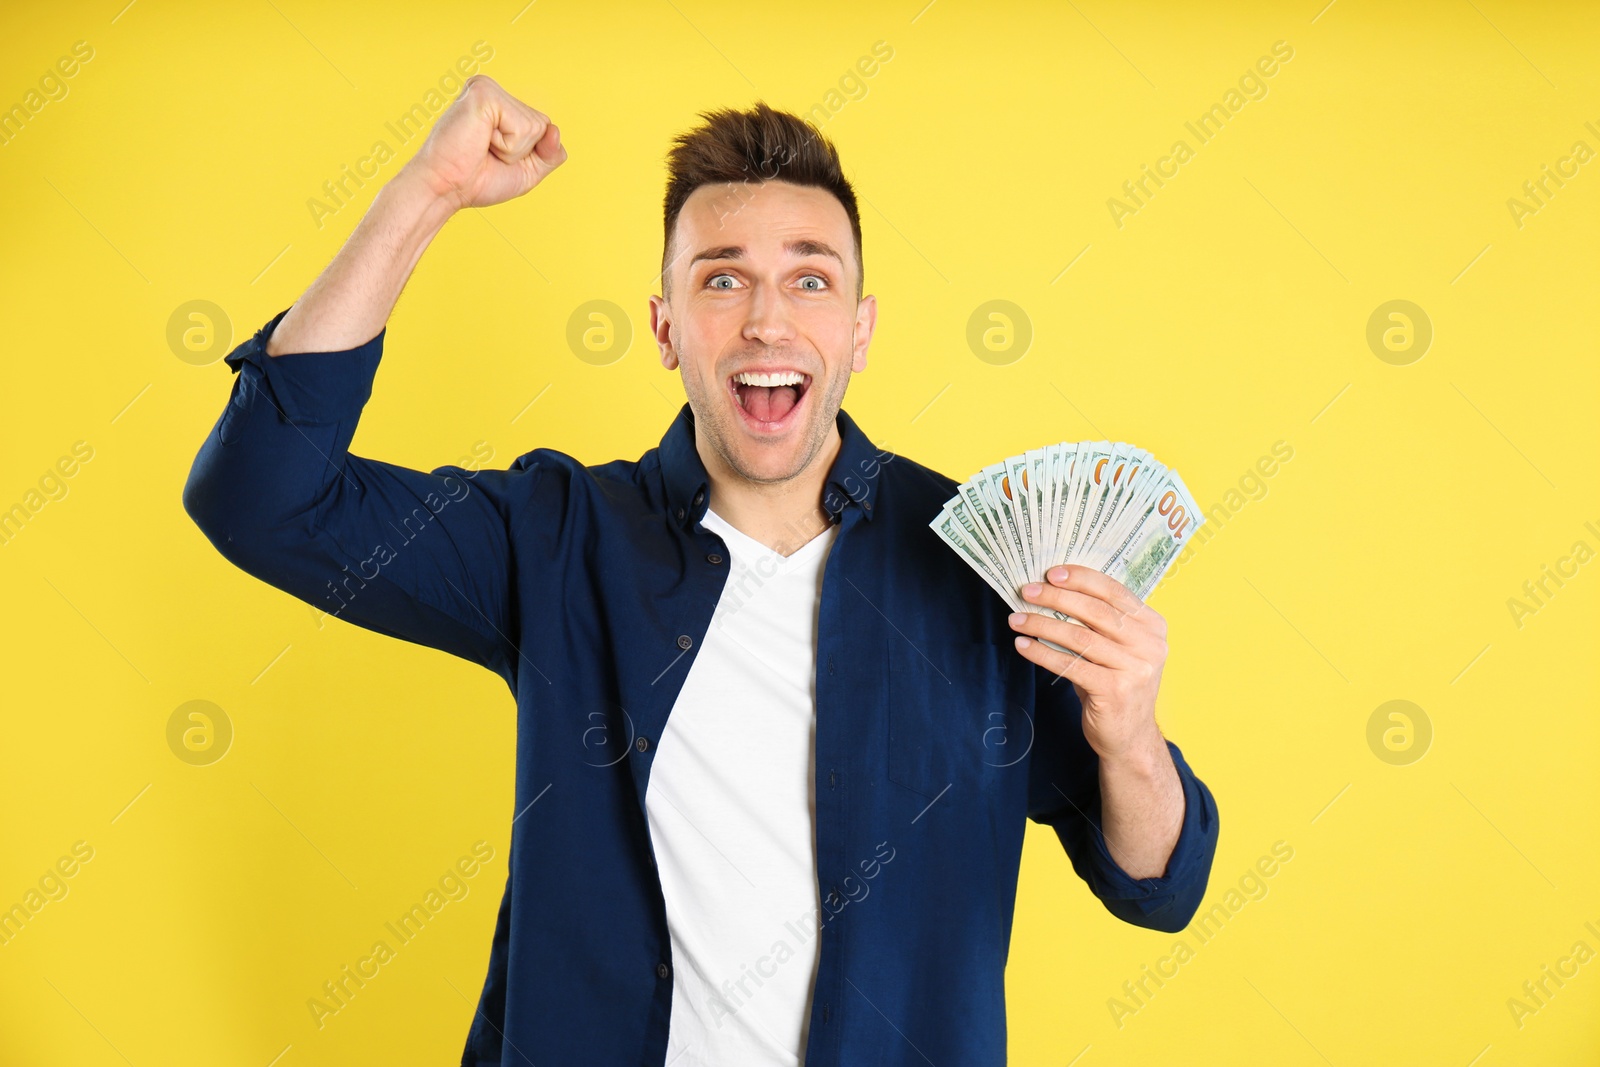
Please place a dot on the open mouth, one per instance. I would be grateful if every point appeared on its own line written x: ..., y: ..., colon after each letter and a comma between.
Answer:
x: 769, y: 399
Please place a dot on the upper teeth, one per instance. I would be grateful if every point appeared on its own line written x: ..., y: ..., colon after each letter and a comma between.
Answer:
x: 787, y: 377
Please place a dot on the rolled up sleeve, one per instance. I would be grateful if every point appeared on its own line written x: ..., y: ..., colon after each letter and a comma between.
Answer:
x: 313, y: 388
x: 1064, y: 794
x: 1164, y: 903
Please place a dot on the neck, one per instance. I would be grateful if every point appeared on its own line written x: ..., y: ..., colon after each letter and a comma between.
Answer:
x: 784, y: 515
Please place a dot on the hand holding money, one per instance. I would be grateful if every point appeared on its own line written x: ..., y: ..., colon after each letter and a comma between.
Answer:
x: 1116, y: 651
x: 1073, y: 537
x: 1109, y: 507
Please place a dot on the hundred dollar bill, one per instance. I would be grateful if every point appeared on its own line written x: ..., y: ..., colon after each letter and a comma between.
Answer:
x: 950, y: 530
x: 1107, y: 505
x: 1142, y: 557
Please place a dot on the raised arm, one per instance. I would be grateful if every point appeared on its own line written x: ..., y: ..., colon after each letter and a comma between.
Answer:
x: 488, y: 147
x: 419, y: 555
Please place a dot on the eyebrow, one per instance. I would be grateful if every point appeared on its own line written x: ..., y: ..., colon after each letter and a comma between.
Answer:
x: 794, y: 248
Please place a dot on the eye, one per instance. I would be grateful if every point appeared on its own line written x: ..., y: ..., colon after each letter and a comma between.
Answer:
x: 712, y: 281
x: 822, y: 283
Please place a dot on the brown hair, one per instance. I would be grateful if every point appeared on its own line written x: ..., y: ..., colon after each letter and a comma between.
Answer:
x: 760, y: 144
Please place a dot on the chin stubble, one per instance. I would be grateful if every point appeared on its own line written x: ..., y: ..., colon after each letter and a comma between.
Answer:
x: 817, y: 432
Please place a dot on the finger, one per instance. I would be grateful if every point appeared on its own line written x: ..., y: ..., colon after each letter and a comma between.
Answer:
x: 1074, y: 668
x: 1091, y: 611
x: 1090, y: 581
x: 518, y: 128
x: 1085, y: 642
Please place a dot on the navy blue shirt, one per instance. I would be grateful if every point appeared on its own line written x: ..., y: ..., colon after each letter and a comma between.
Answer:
x: 589, y: 589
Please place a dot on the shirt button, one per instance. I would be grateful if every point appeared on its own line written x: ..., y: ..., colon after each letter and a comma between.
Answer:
x: 684, y: 640
x: 699, y: 497
x: 867, y: 505
x: 713, y: 558
x: 642, y: 744
x: 661, y: 970
x: 680, y: 513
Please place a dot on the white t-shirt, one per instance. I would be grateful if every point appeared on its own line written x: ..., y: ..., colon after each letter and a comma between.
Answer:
x: 732, y: 811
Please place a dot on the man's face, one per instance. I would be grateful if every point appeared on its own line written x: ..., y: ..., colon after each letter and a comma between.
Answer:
x: 764, y: 321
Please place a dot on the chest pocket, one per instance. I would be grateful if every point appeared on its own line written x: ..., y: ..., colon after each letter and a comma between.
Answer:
x: 956, y: 716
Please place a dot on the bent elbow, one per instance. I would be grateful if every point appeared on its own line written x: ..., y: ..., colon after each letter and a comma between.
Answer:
x: 1177, y: 914
x: 197, y: 499
x: 1170, y: 914
x: 229, y: 507
x: 208, y: 499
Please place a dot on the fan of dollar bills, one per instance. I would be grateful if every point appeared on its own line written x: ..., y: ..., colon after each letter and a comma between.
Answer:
x: 1110, y: 506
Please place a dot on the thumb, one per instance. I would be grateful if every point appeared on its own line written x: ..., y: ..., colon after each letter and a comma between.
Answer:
x: 549, y: 148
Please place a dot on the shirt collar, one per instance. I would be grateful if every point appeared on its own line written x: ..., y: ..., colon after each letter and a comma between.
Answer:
x: 853, y: 478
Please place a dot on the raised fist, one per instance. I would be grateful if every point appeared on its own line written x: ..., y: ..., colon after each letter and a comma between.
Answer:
x: 488, y: 147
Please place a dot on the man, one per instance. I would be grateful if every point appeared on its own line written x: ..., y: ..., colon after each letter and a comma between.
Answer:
x: 776, y: 746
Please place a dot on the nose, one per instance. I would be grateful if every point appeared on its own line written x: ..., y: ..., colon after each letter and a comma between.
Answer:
x: 768, y: 320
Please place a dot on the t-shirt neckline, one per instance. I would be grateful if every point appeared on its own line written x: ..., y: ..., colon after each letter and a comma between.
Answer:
x: 754, y: 546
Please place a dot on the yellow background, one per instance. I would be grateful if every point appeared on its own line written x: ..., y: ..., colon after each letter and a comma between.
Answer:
x: 1227, y: 314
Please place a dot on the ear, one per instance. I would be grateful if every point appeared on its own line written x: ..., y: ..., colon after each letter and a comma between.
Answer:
x: 661, y: 327
x: 866, y: 321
